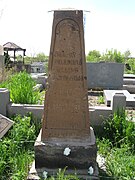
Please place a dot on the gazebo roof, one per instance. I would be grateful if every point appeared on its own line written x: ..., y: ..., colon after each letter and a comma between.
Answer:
x: 9, y: 46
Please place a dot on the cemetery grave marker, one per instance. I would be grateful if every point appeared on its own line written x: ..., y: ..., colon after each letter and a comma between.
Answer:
x: 66, y: 138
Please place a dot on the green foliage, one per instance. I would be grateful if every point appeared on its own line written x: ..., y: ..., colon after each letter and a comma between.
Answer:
x: 40, y: 57
x: 62, y: 176
x: 101, y: 99
x: 16, y: 149
x: 113, y: 56
x: 104, y: 146
x: 21, y: 88
x: 110, y: 56
x: 127, y: 54
x: 131, y: 63
x: 120, y: 163
x: 22, y: 130
x: 93, y: 56
x: 119, y: 130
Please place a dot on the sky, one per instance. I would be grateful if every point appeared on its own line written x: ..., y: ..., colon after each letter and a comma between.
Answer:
x: 109, y: 24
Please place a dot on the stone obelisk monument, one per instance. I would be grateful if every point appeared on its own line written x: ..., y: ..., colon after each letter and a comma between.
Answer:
x: 66, y: 138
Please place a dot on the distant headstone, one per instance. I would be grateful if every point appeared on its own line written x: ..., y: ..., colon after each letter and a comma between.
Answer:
x: 5, y: 125
x: 118, y: 102
x: 66, y: 138
x: 105, y: 75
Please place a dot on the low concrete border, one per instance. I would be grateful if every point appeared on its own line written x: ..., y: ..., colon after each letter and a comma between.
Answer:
x: 97, y: 114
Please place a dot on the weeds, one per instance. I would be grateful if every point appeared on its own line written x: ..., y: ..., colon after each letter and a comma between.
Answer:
x: 21, y: 88
x: 61, y: 175
x: 117, y: 146
x: 101, y: 99
x: 16, y: 149
x: 119, y: 130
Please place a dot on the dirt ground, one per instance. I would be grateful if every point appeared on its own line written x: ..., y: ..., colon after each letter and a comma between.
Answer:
x: 94, y: 98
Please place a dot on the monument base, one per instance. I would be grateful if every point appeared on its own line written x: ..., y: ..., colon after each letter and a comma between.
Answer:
x: 78, y: 155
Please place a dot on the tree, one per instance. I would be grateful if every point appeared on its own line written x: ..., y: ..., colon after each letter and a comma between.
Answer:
x: 113, y: 56
x: 93, y: 56
x: 41, y: 57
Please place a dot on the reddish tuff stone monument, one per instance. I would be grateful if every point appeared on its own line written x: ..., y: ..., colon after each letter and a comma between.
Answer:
x: 66, y: 103
x: 66, y: 117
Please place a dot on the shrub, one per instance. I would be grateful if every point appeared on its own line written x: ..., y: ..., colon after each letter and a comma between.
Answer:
x: 119, y: 130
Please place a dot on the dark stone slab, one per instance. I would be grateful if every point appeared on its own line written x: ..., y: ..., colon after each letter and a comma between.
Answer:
x: 50, y: 155
x: 37, y: 174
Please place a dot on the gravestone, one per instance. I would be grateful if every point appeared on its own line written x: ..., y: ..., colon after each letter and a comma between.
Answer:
x: 5, y: 125
x: 66, y: 126
x: 105, y: 75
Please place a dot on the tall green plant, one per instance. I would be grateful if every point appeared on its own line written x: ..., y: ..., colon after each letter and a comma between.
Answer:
x: 119, y: 130
x: 21, y: 88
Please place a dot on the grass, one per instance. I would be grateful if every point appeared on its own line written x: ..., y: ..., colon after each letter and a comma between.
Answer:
x: 120, y: 130
x: 119, y: 161
x: 16, y: 149
x: 61, y: 175
x: 116, y: 145
x: 21, y: 88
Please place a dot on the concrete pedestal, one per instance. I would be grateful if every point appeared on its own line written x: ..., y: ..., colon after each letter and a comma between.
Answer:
x: 49, y: 156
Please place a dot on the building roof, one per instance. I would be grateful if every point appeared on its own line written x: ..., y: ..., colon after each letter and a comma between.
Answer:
x: 9, y: 46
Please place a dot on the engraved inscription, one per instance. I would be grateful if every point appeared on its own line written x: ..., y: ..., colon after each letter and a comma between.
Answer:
x: 67, y: 78
x: 67, y: 70
x: 64, y: 54
x: 68, y: 62
x: 66, y: 102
